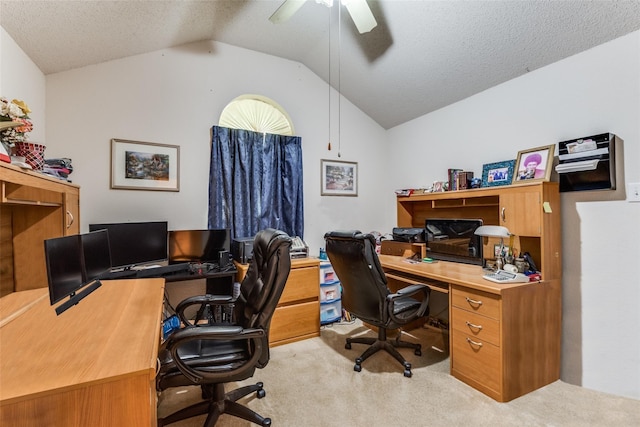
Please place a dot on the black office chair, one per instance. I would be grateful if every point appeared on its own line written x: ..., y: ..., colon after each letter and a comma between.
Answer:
x: 224, y: 350
x: 366, y: 295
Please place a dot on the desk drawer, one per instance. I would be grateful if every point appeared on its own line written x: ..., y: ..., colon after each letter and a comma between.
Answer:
x: 478, y: 327
x: 476, y: 360
x: 303, y: 283
x: 476, y: 301
x: 295, y: 320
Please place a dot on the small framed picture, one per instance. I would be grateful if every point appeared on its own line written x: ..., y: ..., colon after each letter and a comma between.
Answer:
x: 496, y: 251
x: 338, y: 178
x: 534, y: 164
x: 144, y: 166
x: 499, y: 173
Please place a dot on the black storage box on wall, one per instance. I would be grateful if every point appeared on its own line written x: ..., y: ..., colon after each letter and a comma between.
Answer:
x: 587, y: 163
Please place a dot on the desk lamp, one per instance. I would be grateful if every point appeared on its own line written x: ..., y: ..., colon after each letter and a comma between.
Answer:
x: 495, y: 231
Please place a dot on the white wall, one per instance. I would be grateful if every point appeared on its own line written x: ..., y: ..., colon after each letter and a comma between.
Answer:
x: 593, y: 92
x: 21, y: 79
x: 174, y: 96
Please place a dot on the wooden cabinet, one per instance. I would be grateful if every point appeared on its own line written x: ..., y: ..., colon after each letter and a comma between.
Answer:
x: 530, y: 211
x: 505, y: 339
x: 297, y: 316
x: 33, y: 208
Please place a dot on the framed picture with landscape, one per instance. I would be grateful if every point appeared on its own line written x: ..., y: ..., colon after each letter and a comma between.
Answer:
x: 338, y: 178
x: 498, y: 173
x: 144, y: 166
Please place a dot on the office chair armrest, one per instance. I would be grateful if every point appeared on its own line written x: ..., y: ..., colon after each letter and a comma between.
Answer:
x: 409, y: 291
x: 204, y: 301
x: 215, y: 333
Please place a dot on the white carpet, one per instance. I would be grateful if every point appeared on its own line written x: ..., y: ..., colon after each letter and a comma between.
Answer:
x: 312, y: 383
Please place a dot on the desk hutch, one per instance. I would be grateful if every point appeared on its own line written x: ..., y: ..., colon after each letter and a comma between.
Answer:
x: 504, y: 338
x: 33, y: 207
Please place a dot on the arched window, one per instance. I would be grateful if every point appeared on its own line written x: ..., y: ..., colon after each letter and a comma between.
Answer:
x: 255, y: 169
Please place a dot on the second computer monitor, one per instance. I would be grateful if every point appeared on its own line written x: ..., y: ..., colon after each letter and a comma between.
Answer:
x: 198, y: 245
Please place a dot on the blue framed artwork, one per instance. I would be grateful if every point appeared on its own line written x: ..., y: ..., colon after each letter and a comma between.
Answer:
x: 499, y: 173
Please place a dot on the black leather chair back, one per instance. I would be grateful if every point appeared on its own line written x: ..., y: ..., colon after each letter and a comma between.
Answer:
x: 364, y: 285
x: 264, y: 282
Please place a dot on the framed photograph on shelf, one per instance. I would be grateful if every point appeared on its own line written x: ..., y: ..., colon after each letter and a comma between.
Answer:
x: 499, y: 173
x: 338, y: 178
x: 139, y: 165
x: 534, y: 164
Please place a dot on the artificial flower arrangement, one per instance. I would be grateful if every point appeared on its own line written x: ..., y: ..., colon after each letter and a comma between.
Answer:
x: 14, y: 122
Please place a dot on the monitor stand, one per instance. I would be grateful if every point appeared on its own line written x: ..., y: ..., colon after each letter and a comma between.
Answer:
x: 77, y: 297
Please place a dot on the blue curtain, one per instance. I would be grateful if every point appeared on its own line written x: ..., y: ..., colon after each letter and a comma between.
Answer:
x: 255, y: 182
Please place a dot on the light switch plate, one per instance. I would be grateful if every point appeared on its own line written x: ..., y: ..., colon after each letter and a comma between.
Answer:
x: 633, y: 192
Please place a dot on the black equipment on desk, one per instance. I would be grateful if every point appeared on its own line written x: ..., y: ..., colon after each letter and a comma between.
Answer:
x: 242, y: 249
x: 202, y: 246
x: 136, y: 243
x: 411, y: 235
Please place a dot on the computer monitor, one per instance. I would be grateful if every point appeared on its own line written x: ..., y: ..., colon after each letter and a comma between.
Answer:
x: 66, y: 274
x: 198, y: 245
x: 63, y: 256
x: 135, y: 243
x: 97, y: 255
x: 453, y: 239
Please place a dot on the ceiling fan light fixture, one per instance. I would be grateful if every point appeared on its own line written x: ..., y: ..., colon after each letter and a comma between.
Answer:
x: 361, y: 15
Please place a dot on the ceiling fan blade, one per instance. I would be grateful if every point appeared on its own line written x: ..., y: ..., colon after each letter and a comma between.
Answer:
x: 361, y: 15
x: 286, y: 11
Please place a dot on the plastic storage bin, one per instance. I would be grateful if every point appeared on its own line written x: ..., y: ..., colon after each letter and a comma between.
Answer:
x: 330, y: 312
x: 327, y: 275
x: 330, y: 292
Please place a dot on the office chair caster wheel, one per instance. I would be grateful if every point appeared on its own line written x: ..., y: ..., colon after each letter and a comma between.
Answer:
x: 266, y: 422
x: 418, y: 352
x: 260, y: 392
x: 358, y: 366
x: 407, y: 369
x: 348, y: 346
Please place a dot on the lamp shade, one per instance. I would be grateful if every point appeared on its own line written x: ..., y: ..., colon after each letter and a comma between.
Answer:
x: 493, y: 231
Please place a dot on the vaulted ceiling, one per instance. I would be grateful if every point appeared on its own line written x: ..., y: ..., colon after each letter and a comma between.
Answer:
x: 423, y: 55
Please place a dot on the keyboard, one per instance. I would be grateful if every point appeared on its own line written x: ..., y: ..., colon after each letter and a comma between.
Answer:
x: 120, y: 274
x: 163, y: 270
x: 502, y: 276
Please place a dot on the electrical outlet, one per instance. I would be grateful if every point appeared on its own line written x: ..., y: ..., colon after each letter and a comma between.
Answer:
x: 633, y: 192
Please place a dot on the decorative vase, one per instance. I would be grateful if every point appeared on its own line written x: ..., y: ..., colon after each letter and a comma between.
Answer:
x: 32, y: 152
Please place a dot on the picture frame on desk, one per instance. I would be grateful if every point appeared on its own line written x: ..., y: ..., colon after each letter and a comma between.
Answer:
x: 498, y: 173
x: 338, y: 178
x: 534, y: 164
x: 139, y: 165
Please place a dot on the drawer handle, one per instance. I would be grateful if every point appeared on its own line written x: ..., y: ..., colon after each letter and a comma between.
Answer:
x: 472, y: 326
x: 472, y: 342
x: 71, y: 219
x: 473, y: 302
x: 503, y: 214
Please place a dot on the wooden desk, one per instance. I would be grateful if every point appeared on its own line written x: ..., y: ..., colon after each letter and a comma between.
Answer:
x: 504, y: 338
x: 94, y: 365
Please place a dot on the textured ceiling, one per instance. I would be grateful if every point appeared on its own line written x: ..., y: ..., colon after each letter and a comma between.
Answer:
x: 422, y: 56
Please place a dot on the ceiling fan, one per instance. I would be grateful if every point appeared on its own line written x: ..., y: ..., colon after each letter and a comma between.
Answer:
x: 358, y: 9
